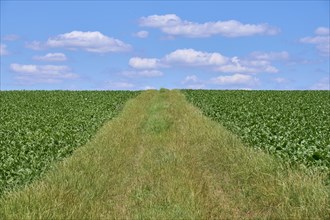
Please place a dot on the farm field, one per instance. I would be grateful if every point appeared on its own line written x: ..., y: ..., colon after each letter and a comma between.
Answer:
x: 40, y: 127
x: 292, y: 125
x: 161, y: 158
x: 190, y: 109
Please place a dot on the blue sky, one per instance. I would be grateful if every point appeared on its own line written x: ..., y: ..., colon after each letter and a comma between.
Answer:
x: 134, y: 45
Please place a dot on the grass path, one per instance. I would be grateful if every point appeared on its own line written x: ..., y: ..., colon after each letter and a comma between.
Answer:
x: 162, y: 159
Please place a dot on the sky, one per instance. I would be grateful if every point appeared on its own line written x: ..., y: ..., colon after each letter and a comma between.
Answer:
x: 138, y: 45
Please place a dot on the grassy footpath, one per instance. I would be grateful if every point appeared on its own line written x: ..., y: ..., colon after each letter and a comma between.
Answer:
x: 162, y: 159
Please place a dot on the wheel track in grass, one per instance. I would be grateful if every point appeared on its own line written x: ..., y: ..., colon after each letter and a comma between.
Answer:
x: 162, y: 159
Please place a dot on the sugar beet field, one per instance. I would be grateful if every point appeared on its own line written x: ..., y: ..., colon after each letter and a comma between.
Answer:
x: 292, y: 125
x: 39, y: 129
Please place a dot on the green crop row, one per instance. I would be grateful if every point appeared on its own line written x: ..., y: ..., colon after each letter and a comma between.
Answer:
x: 293, y: 125
x: 40, y: 127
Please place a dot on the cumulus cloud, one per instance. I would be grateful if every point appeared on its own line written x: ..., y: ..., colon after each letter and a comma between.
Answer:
x: 236, y: 79
x: 31, y: 74
x: 91, y: 41
x: 144, y: 63
x: 322, y: 31
x: 51, y: 57
x: 158, y: 21
x: 247, y: 66
x: 3, y: 50
x: 214, y: 61
x: 142, y: 73
x: 192, y: 57
x: 35, y: 45
x: 190, y: 79
x: 172, y: 24
x: 193, y: 82
x: 321, y: 40
x: 283, y: 55
x: 142, y: 34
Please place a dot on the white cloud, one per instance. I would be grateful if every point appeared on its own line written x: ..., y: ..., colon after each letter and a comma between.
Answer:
x: 193, y: 82
x: 322, y: 84
x: 10, y: 37
x: 236, y: 79
x: 322, y: 31
x: 173, y: 25
x: 283, y: 55
x: 214, y: 61
x: 31, y: 74
x: 51, y: 57
x: 119, y: 85
x: 247, y: 66
x: 3, y: 50
x: 321, y: 40
x: 158, y: 21
x: 192, y: 57
x: 142, y: 34
x: 190, y: 79
x: 144, y: 63
x: 89, y: 41
x: 315, y: 40
x: 231, y: 68
x: 324, y: 48
x: 35, y: 45
x: 142, y: 73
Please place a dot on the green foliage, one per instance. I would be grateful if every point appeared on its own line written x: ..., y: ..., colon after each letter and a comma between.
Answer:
x: 39, y: 127
x: 293, y: 125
